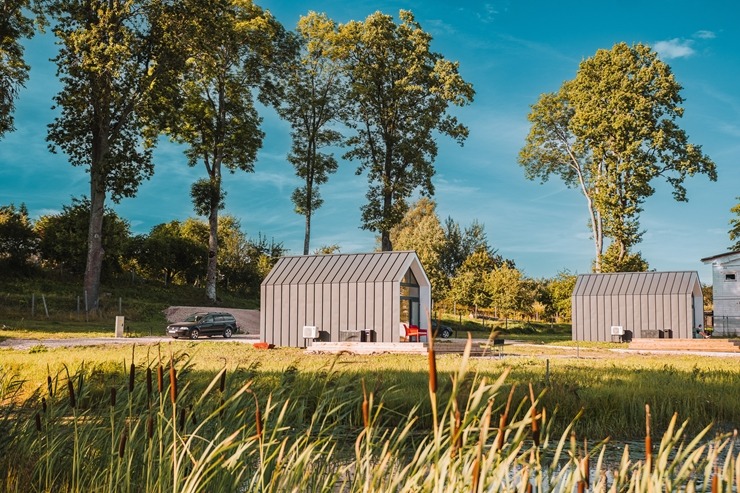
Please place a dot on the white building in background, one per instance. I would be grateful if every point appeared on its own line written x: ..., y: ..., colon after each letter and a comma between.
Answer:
x: 726, y: 292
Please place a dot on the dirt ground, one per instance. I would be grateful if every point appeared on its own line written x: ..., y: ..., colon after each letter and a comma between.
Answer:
x: 248, y: 320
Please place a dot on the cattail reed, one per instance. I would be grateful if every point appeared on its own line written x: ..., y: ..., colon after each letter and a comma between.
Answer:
x: 173, y: 382
x: 257, y: 418
x: 715, y: 480
x: 112, y: 397
x: 150, y: 427
x: 183, y: 416
x: 122, y: 445
x: 37, y: 419
x: 365, y: 406
x: 72, y: 399
x: 49, y: 385
x: 432, y: 367
x: 193, y: 418
x: 160, y: 378
x: 222, y: 382
x: 476, y: 475
x: 43, y: 404
x: 504, y: 420
x: 585, y: 465
x: 148, y: 381
x: 131, y: 375
x: 535, y: 421
x: 648, y: 439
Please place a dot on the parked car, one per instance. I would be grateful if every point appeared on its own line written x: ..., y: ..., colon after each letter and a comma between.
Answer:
x: 204, y: 323
x: 443, y: 331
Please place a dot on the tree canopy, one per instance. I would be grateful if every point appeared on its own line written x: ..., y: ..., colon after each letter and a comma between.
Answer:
x: 611, y: 131
x: 313, y: 99
x: 231, y: 48
x: 14, y: 26
x: 112, y: 65
x: 398, y: 97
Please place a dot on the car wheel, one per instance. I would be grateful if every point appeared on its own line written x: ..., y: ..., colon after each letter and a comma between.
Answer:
x: 446, y: 333
x: 227, y: 332
x: 174, y: 337
x: 194, y: 333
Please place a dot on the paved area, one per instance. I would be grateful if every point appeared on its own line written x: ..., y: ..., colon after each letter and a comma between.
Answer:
x: 97, y: 341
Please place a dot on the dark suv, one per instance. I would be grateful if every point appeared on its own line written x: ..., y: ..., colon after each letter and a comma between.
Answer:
x: 204, y: 323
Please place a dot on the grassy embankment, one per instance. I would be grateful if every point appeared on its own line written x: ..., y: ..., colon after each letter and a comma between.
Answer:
x: 215, y: 416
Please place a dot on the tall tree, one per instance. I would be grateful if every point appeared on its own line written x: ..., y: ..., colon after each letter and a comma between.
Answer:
x: 233, y: 49
x: 399, y: 94
x: 610, y: 132
x: 112, y: 65
x: 14, y: 26
x: 313, y: 99
x: 421, y: 231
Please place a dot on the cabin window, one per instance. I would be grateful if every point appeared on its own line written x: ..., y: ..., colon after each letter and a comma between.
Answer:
x: 730, y: 277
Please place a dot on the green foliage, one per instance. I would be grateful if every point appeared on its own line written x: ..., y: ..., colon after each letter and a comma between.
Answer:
x: 399, y: 94
x: 561, y: 292
x: 112, y: 65
x: 614, y: 260
x: 506, y: 290
x: 14, y: 26
x: 611, y: 131
x: 230, y: 49
x: 306, y: 424
x: 421, y: 231
x: 313, y: 98
x: 18, y: 241
x: 735, y: 227
x: 63, y: 239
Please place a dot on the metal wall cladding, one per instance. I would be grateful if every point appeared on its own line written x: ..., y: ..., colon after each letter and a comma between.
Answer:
x: 643, y: 303
x: 346, y: 296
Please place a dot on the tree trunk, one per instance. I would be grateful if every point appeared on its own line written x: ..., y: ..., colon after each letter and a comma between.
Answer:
x: 94, y: 265
x: 307, y: 236
x: 212, y: 250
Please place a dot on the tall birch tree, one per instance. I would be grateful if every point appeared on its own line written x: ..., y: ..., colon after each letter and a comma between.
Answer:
x: 610, y: 132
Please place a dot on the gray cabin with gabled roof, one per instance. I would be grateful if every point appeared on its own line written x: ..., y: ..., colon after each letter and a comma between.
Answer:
x: 639, y: 304
x: 725, y: 292
x: 343, y: 297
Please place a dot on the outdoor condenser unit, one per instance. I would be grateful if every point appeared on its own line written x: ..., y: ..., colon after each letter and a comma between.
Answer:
x: 617, y: 330
x: 310, y: 332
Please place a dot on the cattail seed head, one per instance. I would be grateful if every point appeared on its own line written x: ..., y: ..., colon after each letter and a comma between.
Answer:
x: 37, y: 419
x: 122, y: 445
x: 432, y: 370
x: 43, y: 404
x: 365, y: 407
x: 173, y: 383
x: 160, y: 379
x: 148, y: 380
x: 49, y: 385
x: 183, y: 416
x: 150, y: 427
x: 131, y: 373
x: 476, y: 475
x: 258, y: 419
x: 72, y: 399
x: 222, y: 382
x: 112, y: 397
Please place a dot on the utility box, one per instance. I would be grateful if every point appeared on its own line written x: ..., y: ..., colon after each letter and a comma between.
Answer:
x: 310, y: 332
x: 119, y: 326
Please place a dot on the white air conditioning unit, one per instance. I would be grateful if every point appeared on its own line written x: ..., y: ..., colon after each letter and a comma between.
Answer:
x: 617, y: 330
x: 310, y: 332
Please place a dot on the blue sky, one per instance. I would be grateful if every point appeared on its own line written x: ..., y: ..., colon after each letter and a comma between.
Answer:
x: 511, y: 52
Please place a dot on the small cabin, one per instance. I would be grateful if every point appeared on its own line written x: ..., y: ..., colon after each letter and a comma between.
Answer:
x: 624, y: 305
x: 363, y: 297
x: 725, y: 292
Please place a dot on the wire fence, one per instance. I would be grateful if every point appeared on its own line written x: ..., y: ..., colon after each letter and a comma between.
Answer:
x: 727, y: 325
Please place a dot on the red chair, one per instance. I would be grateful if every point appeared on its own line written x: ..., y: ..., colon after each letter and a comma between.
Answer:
x: 414, y: 331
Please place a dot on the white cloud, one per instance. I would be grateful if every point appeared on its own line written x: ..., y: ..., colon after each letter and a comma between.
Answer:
x: 704, y: 34
x: 674, y: 48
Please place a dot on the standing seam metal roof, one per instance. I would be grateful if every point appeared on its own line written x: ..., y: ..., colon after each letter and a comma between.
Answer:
x: 635, y: 283
x: 343, y: 267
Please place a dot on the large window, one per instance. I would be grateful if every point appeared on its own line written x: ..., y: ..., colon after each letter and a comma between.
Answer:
x: 410, y: 299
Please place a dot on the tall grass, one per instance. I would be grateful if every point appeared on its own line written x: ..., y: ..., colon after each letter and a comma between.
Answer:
x: 324, y: 434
